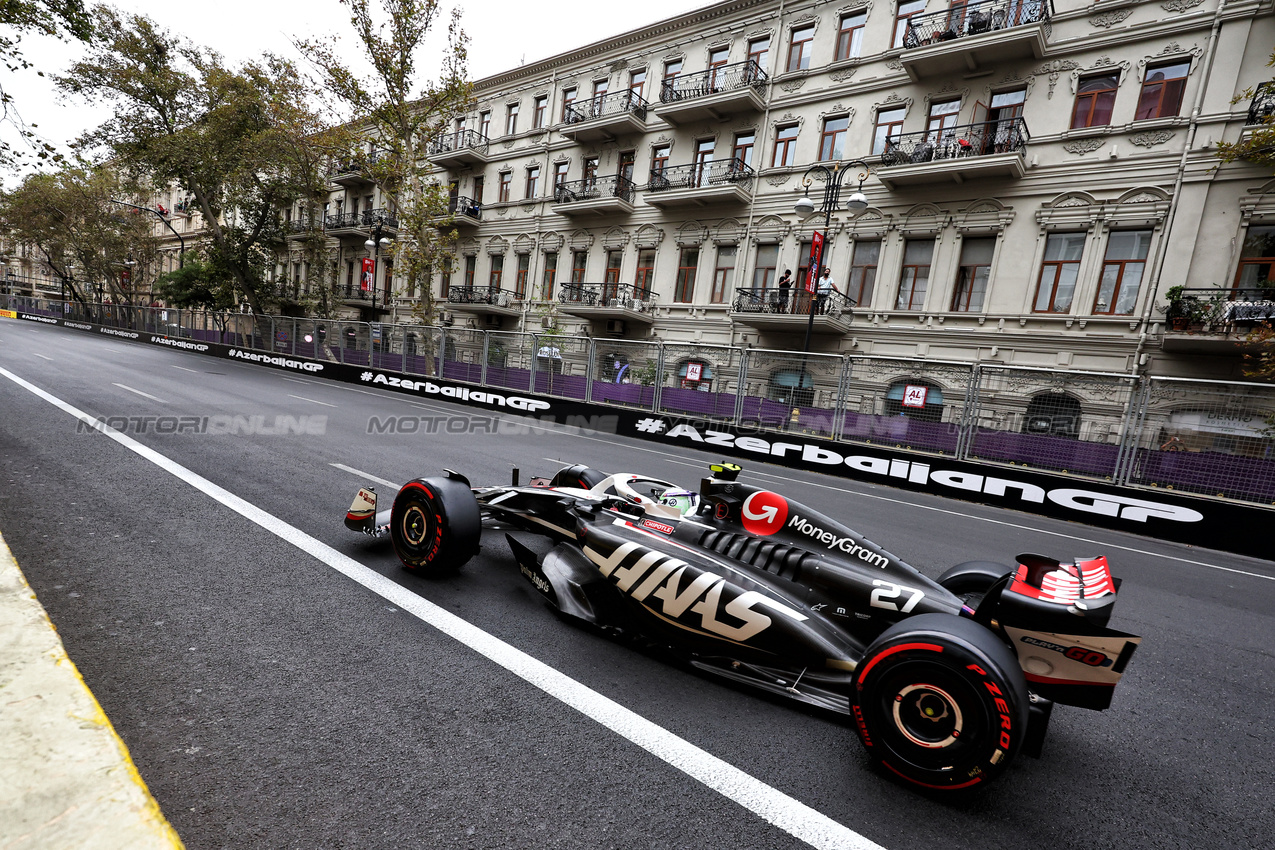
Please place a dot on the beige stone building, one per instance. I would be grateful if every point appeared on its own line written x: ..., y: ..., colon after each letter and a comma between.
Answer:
x: 1038, y: 176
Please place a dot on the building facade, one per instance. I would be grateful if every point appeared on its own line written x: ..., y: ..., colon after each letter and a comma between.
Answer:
x: 1037, y: 177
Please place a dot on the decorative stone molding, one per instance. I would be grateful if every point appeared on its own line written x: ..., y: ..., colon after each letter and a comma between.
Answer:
x: 648, y: 236
x: 728, y: 232
x: 1180, y: 5
x: 524, y: 244
x: 794, y: 84
x: 894, y: 65
x: 777, y: 180
x: 1080, y: 147
x: 528, y: 209
x: 1107, y: 20
x: 497, y: 245
x: 770, y: 229
x: 618, y: 65
x: 1151, y: 138
x: 615, y: 238
x: 692, y: 233
x: 843, y: 74
x: 581, y: 240
x: 1175, y: 51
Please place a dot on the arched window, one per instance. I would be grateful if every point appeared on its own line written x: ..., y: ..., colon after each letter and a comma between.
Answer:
x: 1057, y: 414
x: 915, y: 399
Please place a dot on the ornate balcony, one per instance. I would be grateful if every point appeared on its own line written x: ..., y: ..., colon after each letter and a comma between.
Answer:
x: 484, y: 301
x: 461, y: 212
x: 360, y: 224
x: 607, y: 301
x: 713, y: 94
x: 353, y: 170
x: 300, y: 228
x: 594, y: 196
x: 717, y: 181
x: 605, y: 117
x: 788, y: 311
x: 975, y: 36
x: 1215, y: 320
x: 365, y: 299
x: 1263, y: 105
x: 956, y: 154
x: 463, y: 147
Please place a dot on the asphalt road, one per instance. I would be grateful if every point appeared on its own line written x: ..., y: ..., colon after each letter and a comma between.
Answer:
x: 271, y: 701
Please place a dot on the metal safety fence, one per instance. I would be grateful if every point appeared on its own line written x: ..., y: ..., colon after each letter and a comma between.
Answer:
x: 1211, y: 438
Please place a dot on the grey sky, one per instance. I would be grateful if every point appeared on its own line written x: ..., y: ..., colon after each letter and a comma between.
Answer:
x: 503, y: 35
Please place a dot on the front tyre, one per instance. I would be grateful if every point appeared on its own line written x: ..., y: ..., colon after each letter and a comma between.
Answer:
x: 435, y: 524
x: 941, y: 702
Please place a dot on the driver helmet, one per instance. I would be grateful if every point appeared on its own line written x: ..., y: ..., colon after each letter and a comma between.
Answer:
x: 686, y: 501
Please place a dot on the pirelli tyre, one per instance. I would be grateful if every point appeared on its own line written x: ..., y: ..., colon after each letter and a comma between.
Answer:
x: 435, y: 524
x: 941, y: 702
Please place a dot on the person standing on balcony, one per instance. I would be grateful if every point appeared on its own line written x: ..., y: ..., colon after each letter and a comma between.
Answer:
x: 785, y: 284
x: 824, y: 289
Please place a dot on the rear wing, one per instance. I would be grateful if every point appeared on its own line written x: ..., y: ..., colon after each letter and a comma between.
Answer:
x: 1055, y: 616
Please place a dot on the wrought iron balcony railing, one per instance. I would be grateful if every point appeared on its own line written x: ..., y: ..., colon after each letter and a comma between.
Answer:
x: 367, y: 218
x: 458, y: 140
x: 618, y: 295
x: 986, y: 139
x: 791, y: 301
x: 1215, y: 307
x: 723, y: 78
x: 975, y: 18
x: 714, y: 172
x: 1263, y: 105
x: 461, y: 205
x: 616, y: 103
x: 356, y: 164
x: 493, y: 295
x: 301, y: 225
x: 616, y: 186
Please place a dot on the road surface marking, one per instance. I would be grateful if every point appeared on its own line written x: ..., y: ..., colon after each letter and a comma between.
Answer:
x: 787, y: 813
x: 41, y: 356
x: 184, y: 369
x: 311, y: 400
x: 139, y: 392
x: 369, y: 476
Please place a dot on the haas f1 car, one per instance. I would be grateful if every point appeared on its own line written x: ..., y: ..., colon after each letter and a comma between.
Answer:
x: 946, y: 681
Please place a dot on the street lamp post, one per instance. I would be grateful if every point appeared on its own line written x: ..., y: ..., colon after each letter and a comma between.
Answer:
x: 855, y: 204
x: 374, y: 243
x: 181, y: 256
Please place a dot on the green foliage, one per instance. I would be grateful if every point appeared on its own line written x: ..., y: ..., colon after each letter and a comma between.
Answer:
x: 65, y: 19
x: 75, y: 230
x: 197, y: 284
x: 1258, y: 146
x: 243, y: 142
x: 399, y: 114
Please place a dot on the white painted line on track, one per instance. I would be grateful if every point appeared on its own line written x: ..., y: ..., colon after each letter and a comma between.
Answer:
x: 786, y: 813
x: 184, y: 369
x: 139, y: 392
x: 298, y: 381
x: 311, y: 400
x: 42, y: 357
x: 369, y: 476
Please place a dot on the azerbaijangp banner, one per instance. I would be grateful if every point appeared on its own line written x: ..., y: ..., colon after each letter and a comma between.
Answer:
x: 1182, y: 518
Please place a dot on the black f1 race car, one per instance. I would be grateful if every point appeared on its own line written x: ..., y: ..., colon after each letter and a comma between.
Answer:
x: 946, y: 680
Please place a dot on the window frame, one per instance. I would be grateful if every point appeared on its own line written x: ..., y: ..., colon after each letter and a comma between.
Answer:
x: 684, y: 284
x: 723, y: 276
x: 788, y: 144
x: 832, y: 142
x: 756, y: 55
x: 879, y: 125
x: 1059, y: 266
x: 1098, y: 98
x: 504, y: 187
x: 798, y: 53
x: 859, y: 277
x: 1121, y: 265
x: 901, y: 19
x: 539, y: 110
x: 962, y: 301
x: 1164, y: 86
x: 916, y: 295
x: 533, y: 182
x: 850, y: 38
x: 511, y: 118
x: 644, y: 276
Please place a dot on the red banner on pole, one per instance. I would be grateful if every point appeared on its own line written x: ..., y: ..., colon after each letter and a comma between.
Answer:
x: 816, y: 261
x: 369, y: 274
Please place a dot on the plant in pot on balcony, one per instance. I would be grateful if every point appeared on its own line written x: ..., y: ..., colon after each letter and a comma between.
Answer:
x: 1180, y: 309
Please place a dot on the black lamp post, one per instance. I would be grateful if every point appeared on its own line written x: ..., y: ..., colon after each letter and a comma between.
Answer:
x: 374, y: 243
x: 181, y: 257
x: 855, y: 204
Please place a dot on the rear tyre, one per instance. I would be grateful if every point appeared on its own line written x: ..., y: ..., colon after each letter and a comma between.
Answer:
x: 435, y: 525
x: 941, y: 702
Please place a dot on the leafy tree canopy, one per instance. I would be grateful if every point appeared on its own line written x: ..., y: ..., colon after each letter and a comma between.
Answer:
x: 1257, y: 146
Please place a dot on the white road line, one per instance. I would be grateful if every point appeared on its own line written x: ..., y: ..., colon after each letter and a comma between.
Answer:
x: 311, y: 400
x: 184, y: 369
x: 299, y: 381
x: 139, y: 392
x: 369, y: 476
x: 791, y: 815
x: 42, y: 357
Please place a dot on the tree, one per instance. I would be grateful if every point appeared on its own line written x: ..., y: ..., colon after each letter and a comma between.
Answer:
x: 77, y: 232
x: 401, y: 116
x: 1257, y: 146
x: 58, y: 18
x: 243, y: 143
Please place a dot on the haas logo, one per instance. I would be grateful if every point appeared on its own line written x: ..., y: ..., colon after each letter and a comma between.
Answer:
x: 764, y: 513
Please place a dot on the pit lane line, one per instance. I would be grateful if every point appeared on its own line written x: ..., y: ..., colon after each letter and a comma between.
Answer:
x: 785, y: 812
